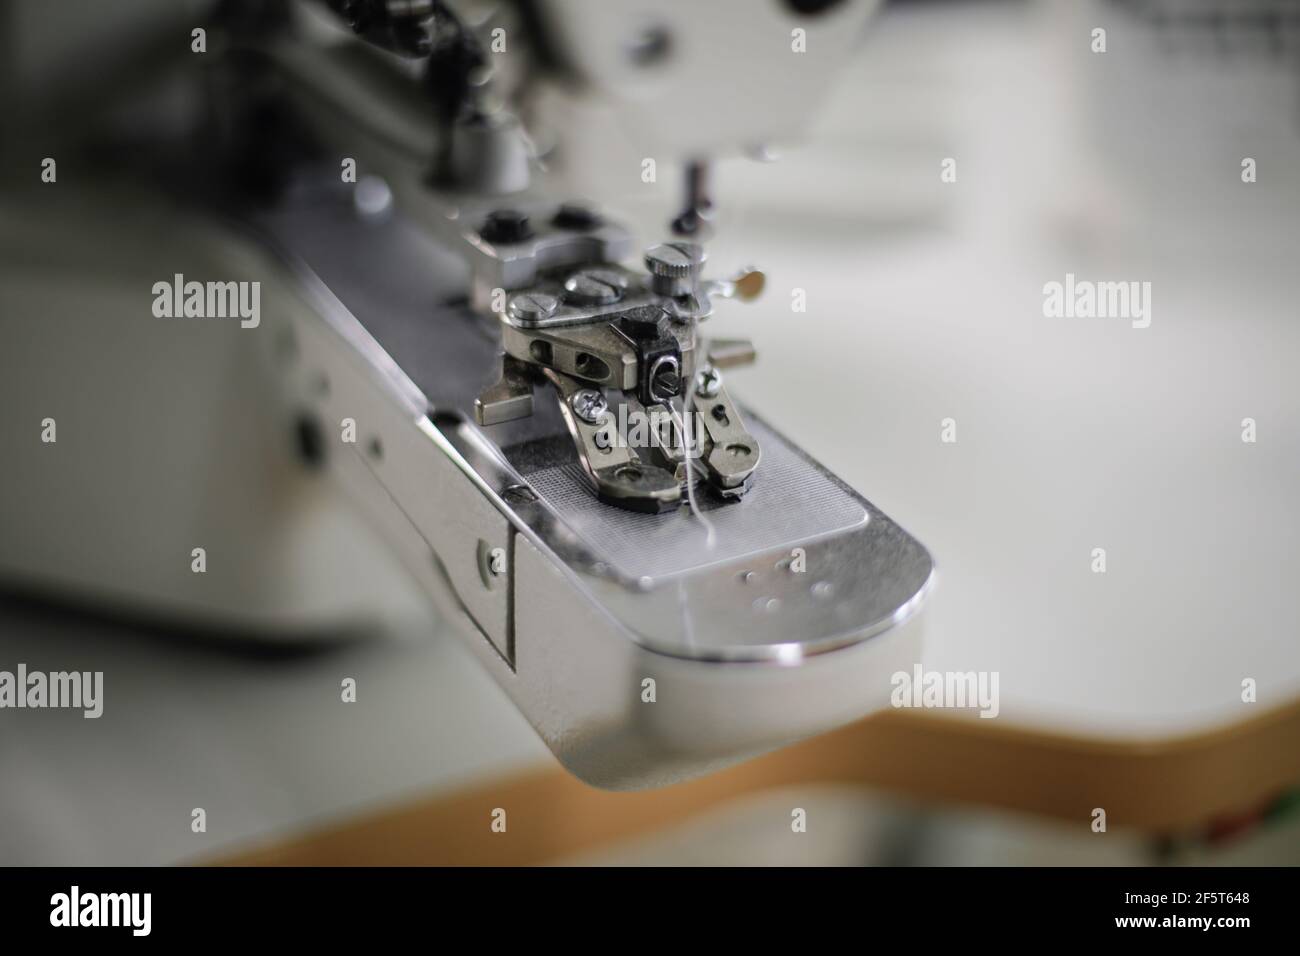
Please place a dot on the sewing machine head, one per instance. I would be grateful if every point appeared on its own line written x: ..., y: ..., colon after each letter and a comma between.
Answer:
x: 641, y: 394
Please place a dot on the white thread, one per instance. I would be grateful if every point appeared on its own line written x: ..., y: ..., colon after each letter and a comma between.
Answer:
x: 692, y: 444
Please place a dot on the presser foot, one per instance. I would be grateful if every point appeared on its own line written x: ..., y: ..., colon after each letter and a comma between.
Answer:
x: 620, y: 349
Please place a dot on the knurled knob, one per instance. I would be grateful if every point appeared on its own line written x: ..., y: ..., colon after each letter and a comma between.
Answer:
x: 674, y: 266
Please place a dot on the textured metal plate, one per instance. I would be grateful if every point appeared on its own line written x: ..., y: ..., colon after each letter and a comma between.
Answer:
x: 791, y: 502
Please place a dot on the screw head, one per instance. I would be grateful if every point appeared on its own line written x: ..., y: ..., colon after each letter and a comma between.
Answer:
x: 372, y: 198
x: 506, y: 226
x: 533, y: 306
x: 595, y: 287
x: 589, y: 405
x: 674, y: 267
x: 708, y: 382
x: 676, y: 259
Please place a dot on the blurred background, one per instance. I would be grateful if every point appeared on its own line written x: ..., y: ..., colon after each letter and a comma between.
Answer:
x: 924, y: 303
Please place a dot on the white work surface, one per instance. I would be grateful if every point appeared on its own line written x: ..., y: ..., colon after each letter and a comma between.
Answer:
x: 924, y: 303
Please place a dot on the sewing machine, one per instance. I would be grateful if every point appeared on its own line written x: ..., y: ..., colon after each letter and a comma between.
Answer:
x: 520, y: 392
x: 238, y: 269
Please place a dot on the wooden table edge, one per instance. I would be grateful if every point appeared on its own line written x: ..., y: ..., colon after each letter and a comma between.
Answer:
x: 1160, y: 785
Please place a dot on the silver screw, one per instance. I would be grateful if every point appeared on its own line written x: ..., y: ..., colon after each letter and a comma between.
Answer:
x: 674, y: 267
x: 595, y: 286
x: 533, y: 306
x: 708, y: 382
x: 372, y: 198
x: 589, y: 405
x: 677, y: 259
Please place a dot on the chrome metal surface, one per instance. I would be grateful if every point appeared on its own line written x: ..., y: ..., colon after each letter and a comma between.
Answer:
x: 509, y: 399
x: 595, y: 600
x: 708, y: 382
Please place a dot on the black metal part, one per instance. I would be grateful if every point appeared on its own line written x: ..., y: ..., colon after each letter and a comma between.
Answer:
x: 406, y: 29
x: 309, y: 439
x: 658, y: 353
x: 576, y: 217
x: 506, y: 226
x: 695, y: 221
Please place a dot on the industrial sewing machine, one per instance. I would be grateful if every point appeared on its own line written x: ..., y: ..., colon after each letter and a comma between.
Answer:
x: 518, y: 391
